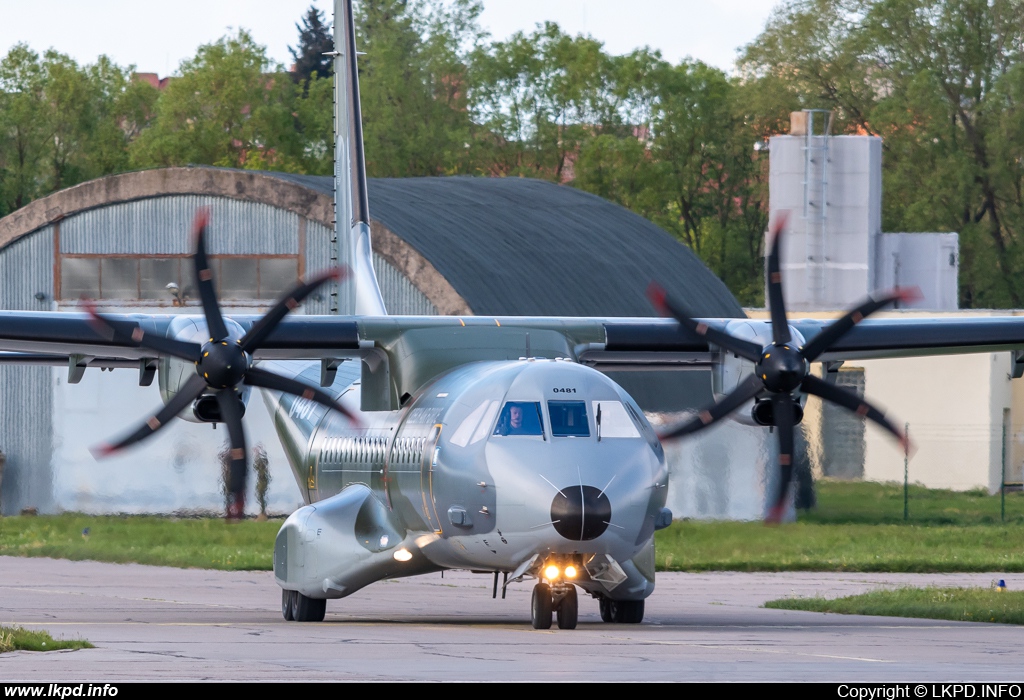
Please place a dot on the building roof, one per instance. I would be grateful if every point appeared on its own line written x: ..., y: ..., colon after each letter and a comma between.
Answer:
x: 518, y: 246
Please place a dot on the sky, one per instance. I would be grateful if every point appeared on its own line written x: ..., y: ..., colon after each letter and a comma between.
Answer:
x: 156, y: 37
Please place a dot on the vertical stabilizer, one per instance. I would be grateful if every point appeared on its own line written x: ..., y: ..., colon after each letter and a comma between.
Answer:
x: 360, y: 294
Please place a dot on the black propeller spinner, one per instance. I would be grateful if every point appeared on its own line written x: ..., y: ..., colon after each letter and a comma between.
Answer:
x: 780, y: 368
x: 222, y: 364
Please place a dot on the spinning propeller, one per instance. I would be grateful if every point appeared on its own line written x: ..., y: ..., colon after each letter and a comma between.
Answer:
x: 781, y: 368
x: 222, y: 365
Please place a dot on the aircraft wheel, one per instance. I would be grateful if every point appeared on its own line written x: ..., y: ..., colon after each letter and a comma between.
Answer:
x: 628, y: 611
x: 287, y: 604
x: 540, y: 609
x: 568, y: 610
x: 607, y: 614
x: 308, y: 609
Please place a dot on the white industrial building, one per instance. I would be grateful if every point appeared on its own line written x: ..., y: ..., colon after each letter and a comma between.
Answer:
x: 962, y: 410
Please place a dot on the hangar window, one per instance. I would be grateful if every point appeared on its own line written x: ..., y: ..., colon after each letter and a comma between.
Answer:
x: 80, y: 277
x: 156, y: 273
x: 146, y: 277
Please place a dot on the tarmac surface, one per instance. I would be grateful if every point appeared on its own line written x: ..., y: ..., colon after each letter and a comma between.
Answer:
x: 155, y: 623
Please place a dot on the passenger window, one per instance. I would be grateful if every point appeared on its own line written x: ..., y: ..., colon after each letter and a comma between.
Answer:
x: 569, y: 419
x: 520, y: 418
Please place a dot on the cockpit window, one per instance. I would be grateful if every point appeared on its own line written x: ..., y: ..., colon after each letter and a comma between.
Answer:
x: 612, y: 420
x: 520, y: 418
x: 569, y: 419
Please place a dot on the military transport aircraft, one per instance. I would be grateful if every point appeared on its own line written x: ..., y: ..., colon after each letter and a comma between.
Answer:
x: 490, y: 444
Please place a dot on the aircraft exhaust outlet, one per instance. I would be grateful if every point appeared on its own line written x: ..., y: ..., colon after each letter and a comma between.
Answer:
x: 206, y: 409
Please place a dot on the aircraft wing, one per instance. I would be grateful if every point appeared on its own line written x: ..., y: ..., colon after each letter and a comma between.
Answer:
x: 30, y: 337
x: 874, y: 338
x: 597, y: 340
x: 413, y: 349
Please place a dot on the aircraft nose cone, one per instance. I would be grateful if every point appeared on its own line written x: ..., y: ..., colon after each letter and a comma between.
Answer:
x: 581, y: 513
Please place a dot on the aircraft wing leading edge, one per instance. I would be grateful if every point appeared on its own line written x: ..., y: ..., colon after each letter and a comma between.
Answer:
x: 34, y: 335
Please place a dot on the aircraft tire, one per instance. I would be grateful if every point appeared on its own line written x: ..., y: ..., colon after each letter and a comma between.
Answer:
x: 308, y: 609
x: 607, y: 614
x: 628, y: 611
x: 540, y: 609
x: 287, y: 604
x: 568, y: 610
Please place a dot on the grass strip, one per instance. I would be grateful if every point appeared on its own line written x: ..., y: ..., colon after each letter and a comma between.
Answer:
x: 870, y: 503
x: 21, y: 639
x: 964, y: 604
x: 209, y: 543
x: 856, y: 526
x: 737, y: 546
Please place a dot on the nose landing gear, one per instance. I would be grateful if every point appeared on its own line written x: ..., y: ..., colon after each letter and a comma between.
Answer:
x: 560, y: 599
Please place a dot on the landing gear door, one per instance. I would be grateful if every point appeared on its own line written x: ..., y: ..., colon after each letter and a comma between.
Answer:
x: 431, y: 453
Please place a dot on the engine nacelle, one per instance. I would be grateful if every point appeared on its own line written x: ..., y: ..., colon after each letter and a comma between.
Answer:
x: 174, y: 373
x: 730, y: 370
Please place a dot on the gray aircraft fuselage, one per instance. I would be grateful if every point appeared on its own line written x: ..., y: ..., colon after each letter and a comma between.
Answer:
x: 446, y: 483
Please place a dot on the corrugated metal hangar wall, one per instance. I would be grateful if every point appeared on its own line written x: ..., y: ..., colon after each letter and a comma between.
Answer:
x: 53, y: 266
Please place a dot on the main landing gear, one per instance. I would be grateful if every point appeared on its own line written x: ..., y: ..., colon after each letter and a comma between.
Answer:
x: 628, y: 611
x: 560, y: 600
x: 297, y: 607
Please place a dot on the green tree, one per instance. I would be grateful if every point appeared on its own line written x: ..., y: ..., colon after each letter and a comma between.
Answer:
x: 315, y: 41
x: 412, y: 83
x: 937, y: 80
x: 61, y: 123
x: 122, y: 107
x: 314, y: 118
x: 230, y: 106
x: 539, y: 97
x: 685, y: 161
x: 22, y: 133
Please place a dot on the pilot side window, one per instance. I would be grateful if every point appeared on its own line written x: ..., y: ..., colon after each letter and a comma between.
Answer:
x: 612, y: 420
x: 520, y: 418
x: 569, y: 419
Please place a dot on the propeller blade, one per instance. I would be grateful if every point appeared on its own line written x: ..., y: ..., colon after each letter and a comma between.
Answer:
x: 743, y: 348
x: 127, y: 333
x: 231, y: 414
x: 748, y: 389
x: 256, y: 335
x: 204, y: 279
x: 269, y: 380
x: 776, y: 305
x: 188, y: 393
x: 852, y: 402
x: 782, y: 412
x: 836, y: 330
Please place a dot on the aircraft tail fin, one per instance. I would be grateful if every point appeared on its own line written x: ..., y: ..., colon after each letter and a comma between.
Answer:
x: 361, y: 295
